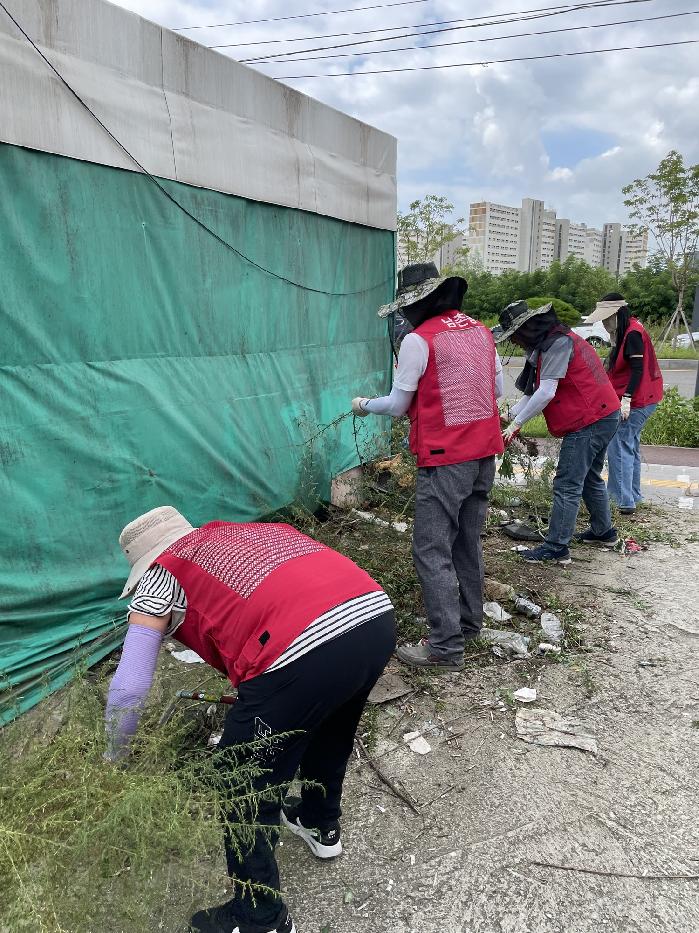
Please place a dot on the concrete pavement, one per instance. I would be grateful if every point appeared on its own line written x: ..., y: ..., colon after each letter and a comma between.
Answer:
x: 680, y: 373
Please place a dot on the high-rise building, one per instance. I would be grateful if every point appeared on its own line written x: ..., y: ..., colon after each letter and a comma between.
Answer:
x: 493, y: 235
x: 537, y: 236
x: 621, y: 249
x: 447, y: 254
x: 503, y: 238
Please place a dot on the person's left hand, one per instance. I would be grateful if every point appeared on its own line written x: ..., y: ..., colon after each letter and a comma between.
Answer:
x: 357, y: 407
x: 625, y: 407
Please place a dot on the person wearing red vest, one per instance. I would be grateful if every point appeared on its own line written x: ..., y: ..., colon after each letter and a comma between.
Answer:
x: 304, y: 635
x: 635, y: 374
x: 447, y: 380
x: 564, y: 378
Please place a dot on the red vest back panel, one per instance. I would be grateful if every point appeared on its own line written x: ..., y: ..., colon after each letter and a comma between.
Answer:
x: 252, y: 588
x: 454, y: 413
x: 583, y: 396
x: 650, y: 388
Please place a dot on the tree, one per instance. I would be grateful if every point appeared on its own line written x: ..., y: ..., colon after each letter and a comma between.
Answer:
x: 426, y: 228
x: 650, y: 291
x: 578, y: 283
x: 666, y: 202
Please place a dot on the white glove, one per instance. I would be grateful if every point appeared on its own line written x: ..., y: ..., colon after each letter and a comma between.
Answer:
x: 625, y: 407
x: 357, y: 407
x: 511, y: 432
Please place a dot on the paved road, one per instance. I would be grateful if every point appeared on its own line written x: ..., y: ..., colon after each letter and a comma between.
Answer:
x: 684, y: 377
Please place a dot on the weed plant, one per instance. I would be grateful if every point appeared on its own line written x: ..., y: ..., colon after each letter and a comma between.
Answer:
x: 87, y: 846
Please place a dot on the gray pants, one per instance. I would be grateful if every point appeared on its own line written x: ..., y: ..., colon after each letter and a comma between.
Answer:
x: 450, y: 508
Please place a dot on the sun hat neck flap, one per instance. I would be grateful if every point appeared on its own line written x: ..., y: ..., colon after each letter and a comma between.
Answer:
x: 145, y: 538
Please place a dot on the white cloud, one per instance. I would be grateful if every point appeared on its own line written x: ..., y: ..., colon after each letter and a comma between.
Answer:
x: 477, y: 132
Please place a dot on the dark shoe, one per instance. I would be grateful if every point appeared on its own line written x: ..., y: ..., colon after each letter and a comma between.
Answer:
x: 547, y: 554
x: 631, y: 511
x: 323, y: 843
x: 220, y: 920
x: 608, y: 539
x: 421, y: 656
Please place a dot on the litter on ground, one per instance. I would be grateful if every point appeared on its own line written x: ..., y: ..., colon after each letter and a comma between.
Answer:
x: 507, y: 644
x: 495, y: 612
x: 552, y: 627
x: 527, y: 607
x: 546, y: 727
x: 417, y: 743
x: 525, y: 694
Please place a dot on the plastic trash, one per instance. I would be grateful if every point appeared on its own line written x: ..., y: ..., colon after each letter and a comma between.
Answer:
x: 525, y: 695
x: 546, y: 727
x: 527, y: 607
x: 495, y: 612
x: 417, y: 743
x: 552, y: 627
x: 188, y: 656
x: 546, y: 648
x: 509, y: 644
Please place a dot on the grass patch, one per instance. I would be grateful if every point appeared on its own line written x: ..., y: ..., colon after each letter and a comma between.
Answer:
x: 87, y: 846
x: 674, y: 423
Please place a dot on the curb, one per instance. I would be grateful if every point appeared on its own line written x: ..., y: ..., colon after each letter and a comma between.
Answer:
x: 678, y: 364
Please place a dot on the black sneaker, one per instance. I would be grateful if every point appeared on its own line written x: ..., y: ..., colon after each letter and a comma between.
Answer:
x: 323, y: 843
x: 608, y: 539
x: 220, y: 920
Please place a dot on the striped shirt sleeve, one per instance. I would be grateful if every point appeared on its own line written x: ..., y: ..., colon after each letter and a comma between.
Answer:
x: 158, y: 593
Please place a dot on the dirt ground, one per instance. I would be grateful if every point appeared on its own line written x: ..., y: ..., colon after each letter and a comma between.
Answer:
x: 491, y: 806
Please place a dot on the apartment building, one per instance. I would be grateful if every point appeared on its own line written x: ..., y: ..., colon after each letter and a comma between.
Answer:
x: 503, y: 238
x: 621, y: 249
x: 493, y: 235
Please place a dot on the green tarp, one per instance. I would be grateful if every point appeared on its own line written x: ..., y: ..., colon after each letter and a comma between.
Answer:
x: 142, y: 363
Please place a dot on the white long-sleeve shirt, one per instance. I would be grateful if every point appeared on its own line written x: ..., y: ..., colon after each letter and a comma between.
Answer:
x: 412, y: 363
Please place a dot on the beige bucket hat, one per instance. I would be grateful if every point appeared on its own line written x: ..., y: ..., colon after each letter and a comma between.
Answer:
x: 603, y: 310
x: 145, y: 538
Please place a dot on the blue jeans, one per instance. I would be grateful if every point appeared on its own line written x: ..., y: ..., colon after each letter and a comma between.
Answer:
x: 579, y: 475
x: 624, y: 456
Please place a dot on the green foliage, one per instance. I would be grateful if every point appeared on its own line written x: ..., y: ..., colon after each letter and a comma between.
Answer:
x: 566, y: 313
x: 573, y: 282
x: 666, y: 202
x: 86, y: 846
x: 675, y: 422
x: 651, y: 294
x: 427, y: 227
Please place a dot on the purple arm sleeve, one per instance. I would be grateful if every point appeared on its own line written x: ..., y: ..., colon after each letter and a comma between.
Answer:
x: 129, y: 688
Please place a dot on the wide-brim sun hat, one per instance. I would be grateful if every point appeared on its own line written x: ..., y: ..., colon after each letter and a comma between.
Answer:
x: 415, y: 282
x: 604, y: 310
x: 514, y: 316
x: 145, y: 538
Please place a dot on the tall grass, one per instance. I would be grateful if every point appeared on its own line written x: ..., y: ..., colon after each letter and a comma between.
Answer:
x: 86, y: 846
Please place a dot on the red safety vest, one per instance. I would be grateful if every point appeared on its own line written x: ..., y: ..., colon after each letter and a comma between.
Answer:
x: 454, y: 413
x: 650, y: 388
x: 584, y: 395
x: 253, y: 588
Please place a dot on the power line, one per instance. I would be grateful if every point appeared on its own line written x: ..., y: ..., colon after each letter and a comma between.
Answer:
x: 163, y: 190
x: 525, y: 17
x: 484, y: 64
x: 516, y: 35
x: 279, y: 19
x: 369, y: 32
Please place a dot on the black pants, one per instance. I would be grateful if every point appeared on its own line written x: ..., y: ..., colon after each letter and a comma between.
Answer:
x: 321, y: 697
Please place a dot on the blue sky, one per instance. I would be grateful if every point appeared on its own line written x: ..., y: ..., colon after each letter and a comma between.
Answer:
x: 571, y: 131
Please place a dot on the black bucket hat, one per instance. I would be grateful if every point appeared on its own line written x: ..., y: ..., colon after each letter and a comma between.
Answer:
x: 415, y: 282
x: 514, y: 316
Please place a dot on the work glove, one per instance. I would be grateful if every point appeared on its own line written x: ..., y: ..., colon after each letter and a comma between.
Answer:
x: 357, y: 407
x: 510, y: 433
x: 625, y: 407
